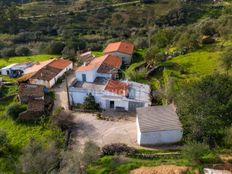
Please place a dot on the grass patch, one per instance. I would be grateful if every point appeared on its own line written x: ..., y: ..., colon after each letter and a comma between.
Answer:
x: 19, y: 134
x: 190, y: 67
x: 97, y: 53
x: 119, y: 164
x: 22, y: 59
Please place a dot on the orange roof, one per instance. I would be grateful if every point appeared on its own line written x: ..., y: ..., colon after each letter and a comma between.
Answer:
x: 102, y: 64
x: 37, y: 66
x: 59, y: 63
x: 124, y: 47
x: 117, y: 87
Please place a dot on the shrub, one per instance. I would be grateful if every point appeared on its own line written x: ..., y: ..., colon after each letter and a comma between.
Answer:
x: 38, y: 158
x: 69, y: 53
x: 91, y: 153
x: 15, y: 109
x: 7, y: 52
x: 54, y: 48
x: 90, y: 103
x: 63, y: 120
x: 22, y: 51
x: 25, y: 37
x: 4, y: 144
x: 118, y: 149
x: 195, y: 151
x: 208, y: 29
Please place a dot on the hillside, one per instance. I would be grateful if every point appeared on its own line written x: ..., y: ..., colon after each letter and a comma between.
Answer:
x: 182, y: 50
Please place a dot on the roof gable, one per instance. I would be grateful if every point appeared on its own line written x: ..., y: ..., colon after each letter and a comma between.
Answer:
x: 60, y: 63
x: 103, y: 64
x: 117, y: 87
x: 123, y: 47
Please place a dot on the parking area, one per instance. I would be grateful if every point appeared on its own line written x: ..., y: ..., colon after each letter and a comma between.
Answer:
x: 103, y: 132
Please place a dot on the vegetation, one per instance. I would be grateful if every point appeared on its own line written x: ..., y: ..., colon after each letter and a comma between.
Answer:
x: 195, y: 151
x: 190, y: 45
x: 15, y: 109
x: 90, y: 103
x: 205, y: 109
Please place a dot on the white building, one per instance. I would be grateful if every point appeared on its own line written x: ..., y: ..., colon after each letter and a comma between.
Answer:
x: 6, y: 70
x: 158, y: 125
x: 106, y: 66
x: 97, y: 78
x: 111, y: 94
x: 48, y: 75
x: 124, y: 50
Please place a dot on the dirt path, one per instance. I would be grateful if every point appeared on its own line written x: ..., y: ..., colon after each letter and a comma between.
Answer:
x: 61, y: 92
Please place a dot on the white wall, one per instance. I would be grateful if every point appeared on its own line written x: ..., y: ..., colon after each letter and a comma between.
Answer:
x: 4, y: 72
x: 78, y: 95
x: 159, y: 137
x: 90, y: 75
x: 52, y: 82
x: 126, y: 58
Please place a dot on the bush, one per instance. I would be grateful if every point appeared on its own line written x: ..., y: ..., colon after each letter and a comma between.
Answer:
x: 118, y: 149
x: 15, y: 109
x: 25, y: 37
x: 194, y: 151
x: 69, y: 53
x: 63, y: 120
x: 54, y: 48
x: 90, y: 103
x: 4, y: 144
x: 38, y: 158
x: 22, y: 51
x: 7, y: 52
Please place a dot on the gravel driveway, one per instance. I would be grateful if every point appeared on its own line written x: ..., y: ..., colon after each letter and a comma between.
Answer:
x: 103, y: 132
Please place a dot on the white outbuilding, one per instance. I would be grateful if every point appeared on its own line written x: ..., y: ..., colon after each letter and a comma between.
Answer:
x: 6, y: 70
x: 158, y: 125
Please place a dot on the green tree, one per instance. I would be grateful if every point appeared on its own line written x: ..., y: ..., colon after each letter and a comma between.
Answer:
x: 205, y: 108
x: 227, y: 59
x: 90, y: 103
x: 22, y: 51
x: 154, y: 55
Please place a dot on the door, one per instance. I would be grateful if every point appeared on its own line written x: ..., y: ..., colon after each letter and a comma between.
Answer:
x: 111, y: 104
x: 84, y: 77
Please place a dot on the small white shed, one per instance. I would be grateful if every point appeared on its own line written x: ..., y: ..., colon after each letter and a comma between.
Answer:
x: 158, y: 125
x: 6, y: 70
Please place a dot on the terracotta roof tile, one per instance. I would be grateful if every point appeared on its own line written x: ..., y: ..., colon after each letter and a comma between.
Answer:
x: 103, y: 64
x: 59, y: 63
x: 47, y: 73
x: 117, y: 87
x: 124, y: 47
x: 110, y: 63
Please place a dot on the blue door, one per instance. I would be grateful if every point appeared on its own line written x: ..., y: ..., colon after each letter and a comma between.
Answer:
x: 83, y: 77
